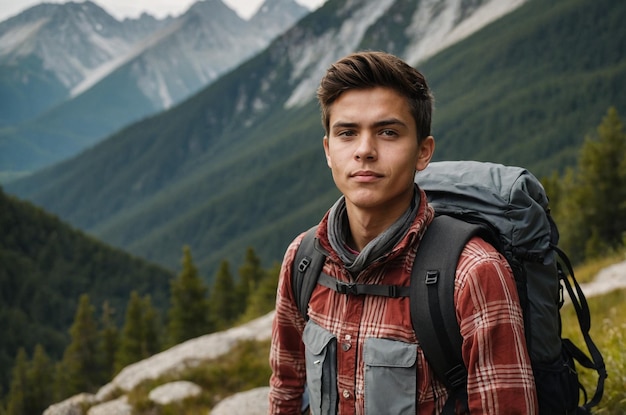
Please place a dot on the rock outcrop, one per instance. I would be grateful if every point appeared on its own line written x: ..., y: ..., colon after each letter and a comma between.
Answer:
x: 111, y: 398
x: 252, y: 402
x: 174, y: 392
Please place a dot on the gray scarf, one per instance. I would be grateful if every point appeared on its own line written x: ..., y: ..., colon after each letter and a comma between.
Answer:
x: 338, y: 231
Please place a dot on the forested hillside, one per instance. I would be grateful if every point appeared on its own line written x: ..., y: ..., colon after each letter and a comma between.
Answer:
x: 45, y: 265
x: 235, y: 166
x: 124, y: 310
x: 527, y: 89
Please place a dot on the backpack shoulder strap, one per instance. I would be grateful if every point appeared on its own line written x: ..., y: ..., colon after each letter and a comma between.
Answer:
x: 432, y: 301
x: 594, y: 361
x: 306, y: 268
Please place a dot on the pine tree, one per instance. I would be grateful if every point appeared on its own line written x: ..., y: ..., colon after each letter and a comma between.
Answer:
x: 151, y: 343
x: 109, y: 341
x: 40, y: 377
x: 601, y: 193
x: 189, y: 314
x: 61, y: 381
x: 224, y: 306
x: 131, y: 339
x: 589, y: 202
x: 250, y: 276
x: 18, y: 390
x: 263, y: 299
x: 80, y: 360
x: 567, y: 214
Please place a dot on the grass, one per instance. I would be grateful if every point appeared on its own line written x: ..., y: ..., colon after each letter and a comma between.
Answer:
x: 608, y: 330
x: 243, y: 368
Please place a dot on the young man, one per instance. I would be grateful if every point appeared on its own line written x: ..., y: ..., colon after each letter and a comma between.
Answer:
x: 358, y: 354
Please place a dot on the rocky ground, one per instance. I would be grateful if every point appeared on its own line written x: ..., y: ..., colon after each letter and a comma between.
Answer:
x: 111, y: 399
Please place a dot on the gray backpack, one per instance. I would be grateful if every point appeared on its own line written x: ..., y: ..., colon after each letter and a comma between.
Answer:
x: 506, y: 206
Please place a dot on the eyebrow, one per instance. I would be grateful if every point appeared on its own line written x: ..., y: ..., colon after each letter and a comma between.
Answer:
x: 380, y: 123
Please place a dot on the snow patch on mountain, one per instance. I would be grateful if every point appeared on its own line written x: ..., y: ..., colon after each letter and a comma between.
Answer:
x: 95, y: 75
x: 20, y: 40
x: 163, y: 91
x: 436, y: 25
x: 433, y: 30
x: 315, y: 58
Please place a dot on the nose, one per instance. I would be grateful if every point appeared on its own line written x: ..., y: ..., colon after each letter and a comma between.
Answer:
x: 366, y: 148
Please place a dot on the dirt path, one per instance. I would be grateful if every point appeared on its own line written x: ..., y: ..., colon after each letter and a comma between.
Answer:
x: 607, y: 280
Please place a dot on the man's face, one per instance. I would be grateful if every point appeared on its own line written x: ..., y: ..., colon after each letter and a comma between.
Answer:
x: 372, y: 150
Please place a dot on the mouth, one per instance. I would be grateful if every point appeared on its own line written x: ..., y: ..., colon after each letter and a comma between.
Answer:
x: 366, y: 176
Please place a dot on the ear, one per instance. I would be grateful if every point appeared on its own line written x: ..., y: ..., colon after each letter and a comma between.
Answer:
x: 426, y: 150
x: 327, y: 152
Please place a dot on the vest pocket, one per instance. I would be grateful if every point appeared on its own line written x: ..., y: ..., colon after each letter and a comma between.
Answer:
x: 390, y: 376
x: 321, y: 368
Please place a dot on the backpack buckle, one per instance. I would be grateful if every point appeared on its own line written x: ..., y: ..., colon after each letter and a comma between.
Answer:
x: 346, y: 288
x: 431, y: 277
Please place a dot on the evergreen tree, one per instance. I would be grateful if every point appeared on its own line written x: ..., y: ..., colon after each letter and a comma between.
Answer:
x: 131, y: 340
x: 567, y: 214
x: 109, y: 340
x: 224, y: 305
x: 250, y: 276
x: 80, y: 360
x: 61, y: 380
x: 602, y: 178
x: 151, y: 343
x: 18, y: 391
x: 188, y: 315
x: 40, y: 380
x: 263, y: 299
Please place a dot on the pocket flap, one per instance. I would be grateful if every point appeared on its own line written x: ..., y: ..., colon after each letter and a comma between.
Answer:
x: 389, y: 353
x: 316, y: 338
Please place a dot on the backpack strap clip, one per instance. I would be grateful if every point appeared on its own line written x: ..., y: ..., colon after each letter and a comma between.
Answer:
x: 432, y: 277
x: 304, y: 264
x: 346, y: 288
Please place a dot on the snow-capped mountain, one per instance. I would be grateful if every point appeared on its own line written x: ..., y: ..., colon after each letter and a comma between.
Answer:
x: 416, y: 31
x: 205, y: 42
x: 71, y: 39
x: 231, y: 162
x: 50, y: 48
x: 71, y: 74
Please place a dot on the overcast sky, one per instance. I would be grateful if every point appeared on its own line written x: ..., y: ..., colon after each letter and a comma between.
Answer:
x: 133, y: 8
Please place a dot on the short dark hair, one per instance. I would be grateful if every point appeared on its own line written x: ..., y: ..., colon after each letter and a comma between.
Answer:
x: 364, y: 70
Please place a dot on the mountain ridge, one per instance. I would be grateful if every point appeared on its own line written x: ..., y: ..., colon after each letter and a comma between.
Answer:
x: 149, y: 73
x: 235, y: 166
x: 224, y: 125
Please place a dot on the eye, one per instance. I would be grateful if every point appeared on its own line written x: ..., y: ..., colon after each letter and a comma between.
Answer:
x: 345, y: 133
x: 388, y: 133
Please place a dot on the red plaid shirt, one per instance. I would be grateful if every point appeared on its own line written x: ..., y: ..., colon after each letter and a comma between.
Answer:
x: 500, y: 377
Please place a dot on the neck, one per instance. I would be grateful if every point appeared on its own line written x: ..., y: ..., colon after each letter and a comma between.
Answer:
x: 365, y: 225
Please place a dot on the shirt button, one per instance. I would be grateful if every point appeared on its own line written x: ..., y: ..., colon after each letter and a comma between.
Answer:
x: 346, y: 394
x: 345, y: 346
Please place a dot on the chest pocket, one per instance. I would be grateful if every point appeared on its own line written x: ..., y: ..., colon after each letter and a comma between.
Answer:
x: 390, y: 376
x: 321, y: 368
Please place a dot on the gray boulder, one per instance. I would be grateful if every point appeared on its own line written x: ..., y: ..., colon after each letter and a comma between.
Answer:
x: 252, y: 402
x: 174, y: 392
